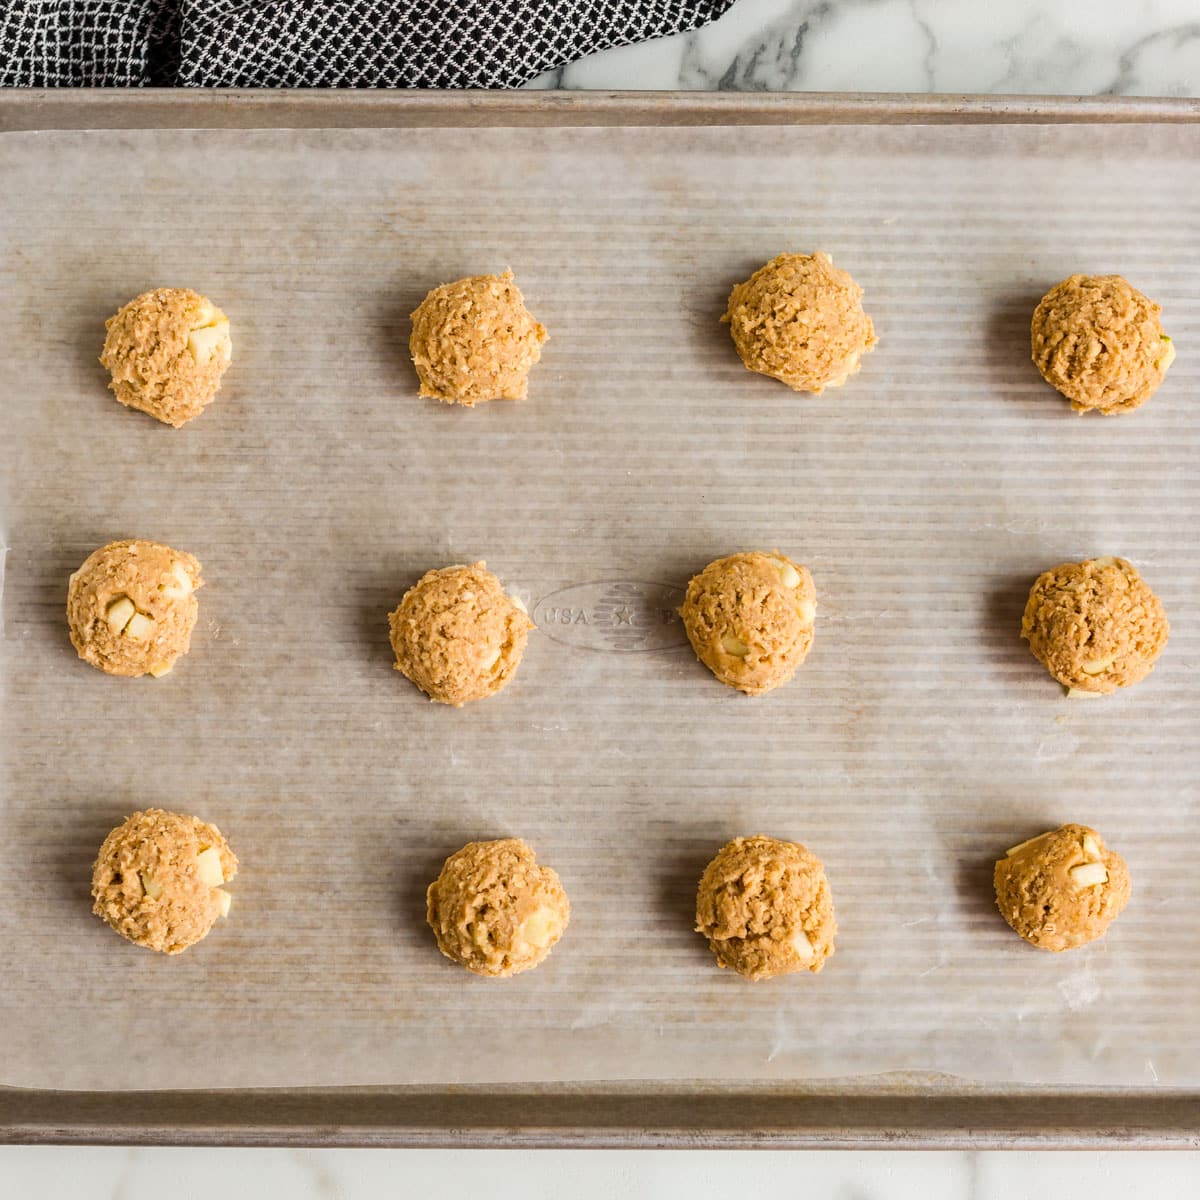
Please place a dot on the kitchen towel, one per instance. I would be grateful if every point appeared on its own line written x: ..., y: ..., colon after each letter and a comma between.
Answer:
x: 326, y: 43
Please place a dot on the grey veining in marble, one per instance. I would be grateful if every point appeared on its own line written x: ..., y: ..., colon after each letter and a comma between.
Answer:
x: 1060, y: 47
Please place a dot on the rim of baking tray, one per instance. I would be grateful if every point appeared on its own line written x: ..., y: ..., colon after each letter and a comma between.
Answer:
x: 246, y: 108
x: 885, y: 1112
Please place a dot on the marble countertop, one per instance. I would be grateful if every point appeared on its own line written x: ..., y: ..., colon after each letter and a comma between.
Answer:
x: 1067, y: 47
x: 588, y: 1174
x: 1028, y: 47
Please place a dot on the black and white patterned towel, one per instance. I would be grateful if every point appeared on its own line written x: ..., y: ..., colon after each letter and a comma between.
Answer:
x: 319, y: 43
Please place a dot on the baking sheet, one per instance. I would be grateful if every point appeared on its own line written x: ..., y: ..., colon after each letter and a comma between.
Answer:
x: 917, y: 743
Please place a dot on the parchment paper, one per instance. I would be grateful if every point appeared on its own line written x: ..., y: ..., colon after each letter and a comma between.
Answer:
x: 918, y: 742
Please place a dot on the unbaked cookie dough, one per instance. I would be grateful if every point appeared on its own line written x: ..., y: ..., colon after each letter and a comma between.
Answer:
x: 457, y: 635
x: 800, y: 320
x: 131, y: 607
x: 1098, y: 340
x: 166, y: 351
x: 766, y: 908
x: 1095, y: 625
x: 158, y: 879
x: 494, y: 911
x: 1062, y: 889
x: 750, y: 619
x: 474, y: 340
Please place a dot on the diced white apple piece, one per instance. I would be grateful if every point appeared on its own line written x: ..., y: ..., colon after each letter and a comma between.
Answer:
x: 208, y: 867
x: 118, y: 614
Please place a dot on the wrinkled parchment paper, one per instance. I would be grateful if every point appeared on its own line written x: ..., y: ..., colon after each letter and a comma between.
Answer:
x: 918, y: 742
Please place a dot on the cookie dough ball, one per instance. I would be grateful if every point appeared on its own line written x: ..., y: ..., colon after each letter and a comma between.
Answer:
x: 800, y: 320
x: 1095, y: 625
x: 131, y: 607
x: 766, y: 908
x: 457, y: 635
x: 1062, y: 889
x: 750, y: 619
x: 1098, y: 340
x: 166, y: 351
x: 474, y: 340
x: 158, y: 879
x: 494, y: 911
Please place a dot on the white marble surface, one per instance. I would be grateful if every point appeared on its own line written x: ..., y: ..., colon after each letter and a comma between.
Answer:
x: 1134, y: 47
x: 29, y: 1172
x: 1059, y: 47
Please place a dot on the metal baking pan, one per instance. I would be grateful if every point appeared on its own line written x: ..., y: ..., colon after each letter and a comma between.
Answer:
x: 925, y: 495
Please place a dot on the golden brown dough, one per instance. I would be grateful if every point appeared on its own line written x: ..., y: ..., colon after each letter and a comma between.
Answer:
x: 166, y: 351
x: 750, y: 619
x: 474, y: 340
x: 1063, y: 889
x: 1099, y: 341
x: 131, y: 607
x: 1095, y: 625
x: 457, y: 635
x: 766, y: 908
x: 158, y: 879
x: 800, y: 320
x: 494, y: 911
